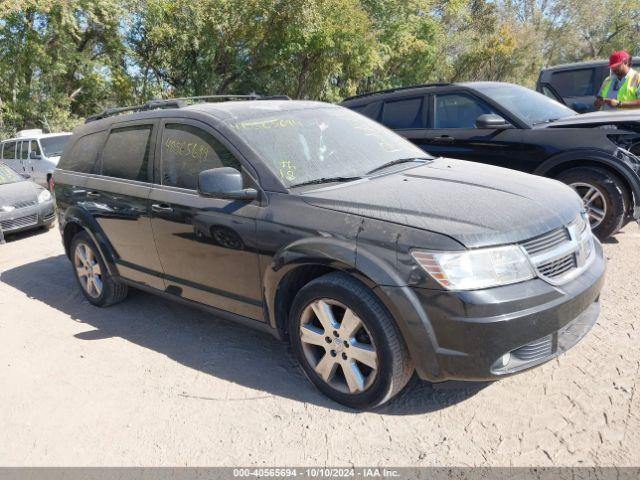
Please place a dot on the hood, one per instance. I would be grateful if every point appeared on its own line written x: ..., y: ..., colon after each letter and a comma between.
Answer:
x: 606, y: 117
x: 477, y: 205
x: 19, y: 192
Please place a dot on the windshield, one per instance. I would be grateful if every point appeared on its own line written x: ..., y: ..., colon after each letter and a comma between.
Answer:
x: 323, y: 143
x: 53, y: 146
x: 8, y: 176
x: 532, y: 106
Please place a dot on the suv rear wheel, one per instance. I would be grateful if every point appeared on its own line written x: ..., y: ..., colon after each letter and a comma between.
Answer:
x: 603, y: 196
x: 347, y: 343
x: 97, y: 285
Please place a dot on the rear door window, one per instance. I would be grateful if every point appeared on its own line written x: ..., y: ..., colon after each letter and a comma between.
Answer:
x: 574, y: 83
x: 188, y: 150
x: 458, y: 110
x: 405, y: 113
x: 9, y: 151
x: 24, y: 154
x: 84, y: 153
x: 126, y: 153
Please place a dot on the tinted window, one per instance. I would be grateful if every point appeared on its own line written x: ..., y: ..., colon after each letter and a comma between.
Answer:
x: 126, y: 153
x: 187, y: 151
x: 574, y: 83
x: 24, y: 155
x: 403, y: 113
x: 458, y: 111
x: 9, y: 152
x: 83, y: 154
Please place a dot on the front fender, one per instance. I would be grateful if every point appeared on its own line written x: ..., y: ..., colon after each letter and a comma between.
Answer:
x: 595, y: 157
x: 333, y: 253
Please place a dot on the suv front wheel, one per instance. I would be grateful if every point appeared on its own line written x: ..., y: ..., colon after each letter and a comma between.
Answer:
x: 97, y: 285
x: 603, y: 196
x: 347, y: 343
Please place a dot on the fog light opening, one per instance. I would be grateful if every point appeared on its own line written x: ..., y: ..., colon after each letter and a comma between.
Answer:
x: 504, y: 360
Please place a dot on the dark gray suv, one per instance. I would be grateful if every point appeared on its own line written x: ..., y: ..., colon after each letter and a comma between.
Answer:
x: 321, y: 226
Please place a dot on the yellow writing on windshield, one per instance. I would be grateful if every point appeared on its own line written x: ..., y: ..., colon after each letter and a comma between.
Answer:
x: 199, y: 151
x: 267, y: 124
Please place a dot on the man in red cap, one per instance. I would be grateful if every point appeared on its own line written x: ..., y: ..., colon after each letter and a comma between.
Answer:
x: 621, y: 89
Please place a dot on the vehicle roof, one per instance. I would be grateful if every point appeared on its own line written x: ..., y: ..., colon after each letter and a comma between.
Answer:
x: 421, y: 88
x: 243, y: 109
x: 222, y: 111
x: 577, y: 65
x: 38, y: 136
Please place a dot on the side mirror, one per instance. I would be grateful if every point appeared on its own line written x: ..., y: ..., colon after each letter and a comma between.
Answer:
x: 492, y: 121
x: 580, y: 107
x: 225, y: 182
x: 35, y: 156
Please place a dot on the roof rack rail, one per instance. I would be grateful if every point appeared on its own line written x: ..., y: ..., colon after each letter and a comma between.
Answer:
x: 397, y: 89
x: 179, y: 102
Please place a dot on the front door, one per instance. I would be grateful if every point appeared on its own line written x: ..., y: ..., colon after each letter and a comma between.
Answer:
x: 206, y: 245
x: 453, y: 132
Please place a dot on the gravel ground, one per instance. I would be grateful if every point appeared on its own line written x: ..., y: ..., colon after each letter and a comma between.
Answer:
x: 150, y: 382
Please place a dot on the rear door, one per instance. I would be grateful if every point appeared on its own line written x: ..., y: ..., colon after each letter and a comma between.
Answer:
x: 206, y: 245
x: 118, y: 200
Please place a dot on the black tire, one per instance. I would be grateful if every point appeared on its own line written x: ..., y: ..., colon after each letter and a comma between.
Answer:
x: 113, y: 291
x: 394, y: 365
x: 612, y: 190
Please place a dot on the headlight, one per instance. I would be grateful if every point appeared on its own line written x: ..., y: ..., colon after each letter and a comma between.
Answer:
x: 475, y: 269
x: 44, y: 196
x: 7, y: 208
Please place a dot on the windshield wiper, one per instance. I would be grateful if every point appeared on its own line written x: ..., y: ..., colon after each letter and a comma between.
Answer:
x: 550, y: 120
x: 396, y: 162
x: 324, y: 180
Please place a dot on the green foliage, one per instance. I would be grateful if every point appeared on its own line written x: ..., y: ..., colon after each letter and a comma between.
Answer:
x: 65, y: 59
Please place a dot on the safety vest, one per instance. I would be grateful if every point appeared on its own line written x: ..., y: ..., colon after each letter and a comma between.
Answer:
x: 630, y: 89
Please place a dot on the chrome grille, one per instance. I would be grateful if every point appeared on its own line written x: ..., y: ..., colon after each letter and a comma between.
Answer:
x: 535, y: 350
x: 19, y: 222
x: 30, y: 203
x: 562, y: 253
x: 557, y: 268
x: 546, y: 241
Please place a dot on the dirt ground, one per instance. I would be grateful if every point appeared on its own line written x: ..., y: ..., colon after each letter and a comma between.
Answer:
x: 150, y: 382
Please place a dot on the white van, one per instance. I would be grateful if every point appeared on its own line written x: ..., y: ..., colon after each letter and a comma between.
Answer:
x: 34, y: 153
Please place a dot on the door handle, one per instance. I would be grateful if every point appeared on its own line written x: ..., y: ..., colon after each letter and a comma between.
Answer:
x: 444, y: 139
x: 161, y: 208
x: 93, y: 194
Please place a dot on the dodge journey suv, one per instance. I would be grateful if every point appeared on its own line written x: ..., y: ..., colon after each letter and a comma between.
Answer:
x: 374, y: 259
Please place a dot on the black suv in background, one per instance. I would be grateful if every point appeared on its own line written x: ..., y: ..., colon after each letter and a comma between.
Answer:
x: 514, y: 127
x: 576, y: 84
x: 310, y: 221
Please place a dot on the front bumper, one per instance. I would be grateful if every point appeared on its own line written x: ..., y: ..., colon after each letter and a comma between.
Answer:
x: 465, y: 335
x: 34, y: 216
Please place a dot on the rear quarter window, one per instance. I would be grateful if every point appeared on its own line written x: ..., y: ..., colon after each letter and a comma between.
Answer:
x: 83, y: 154
x: 9, y: 151
x: 126, y: 153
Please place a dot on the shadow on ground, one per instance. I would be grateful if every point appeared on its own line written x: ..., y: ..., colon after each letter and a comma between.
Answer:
x: 14, y: 237
x: 202, y: 342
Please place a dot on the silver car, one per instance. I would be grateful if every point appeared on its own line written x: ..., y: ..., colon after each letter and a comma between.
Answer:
x: 23, y: 205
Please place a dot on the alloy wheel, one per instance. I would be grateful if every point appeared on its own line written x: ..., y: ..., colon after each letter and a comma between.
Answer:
x: 88, y: 270
x: 338, y: 346
x: 593, y: 201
